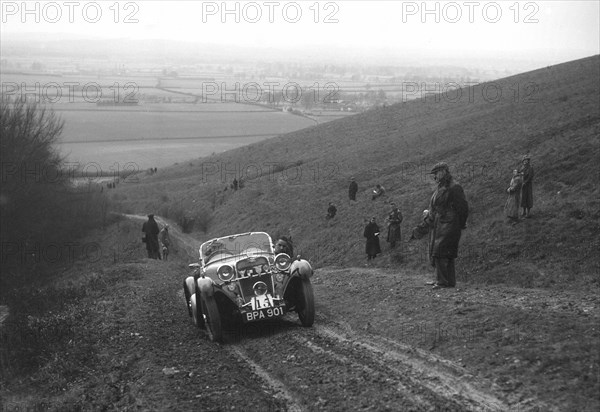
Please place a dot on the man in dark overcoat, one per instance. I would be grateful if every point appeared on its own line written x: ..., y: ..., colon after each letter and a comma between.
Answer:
x: 371, y: 232
x: 444, y: 221
x: 150, y: 228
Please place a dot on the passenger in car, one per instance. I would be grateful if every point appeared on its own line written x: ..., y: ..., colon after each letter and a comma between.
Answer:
x: 284, y: 245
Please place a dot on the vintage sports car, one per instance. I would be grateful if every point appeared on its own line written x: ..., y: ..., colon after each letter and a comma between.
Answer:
x: 239, y: 276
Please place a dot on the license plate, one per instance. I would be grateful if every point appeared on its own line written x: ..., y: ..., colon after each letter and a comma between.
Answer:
x: 263, y: 314
x: 262, y: 302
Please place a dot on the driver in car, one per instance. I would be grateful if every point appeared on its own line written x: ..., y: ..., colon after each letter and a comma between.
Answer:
x: 284, y: 245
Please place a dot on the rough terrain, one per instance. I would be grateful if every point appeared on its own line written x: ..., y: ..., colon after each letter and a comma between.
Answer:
x: 382, y: 340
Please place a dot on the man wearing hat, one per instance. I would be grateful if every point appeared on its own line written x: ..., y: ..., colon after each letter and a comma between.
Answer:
x: 444, y: 221
x: 526, y: 170
x: 150, y: 228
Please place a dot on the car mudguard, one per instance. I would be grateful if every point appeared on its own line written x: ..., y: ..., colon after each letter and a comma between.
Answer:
x: 189, y: 284
x: 206, y: 286
x: 301, y: 268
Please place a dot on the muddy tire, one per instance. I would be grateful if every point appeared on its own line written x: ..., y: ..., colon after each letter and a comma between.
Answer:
x: 305, y: 305
x: 197, y: 315
x: 212, y: 318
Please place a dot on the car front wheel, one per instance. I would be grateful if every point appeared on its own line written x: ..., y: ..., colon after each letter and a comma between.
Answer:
x: 188, y: 298
x: 212, y: 318
x: 306, y: 303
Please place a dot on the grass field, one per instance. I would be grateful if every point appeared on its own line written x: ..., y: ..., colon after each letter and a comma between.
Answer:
x: 163, y: 129
x: 158, y: 139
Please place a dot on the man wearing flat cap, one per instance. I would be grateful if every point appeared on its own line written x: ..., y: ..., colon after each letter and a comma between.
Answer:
x: 150, y: 228
x: 444, y: 221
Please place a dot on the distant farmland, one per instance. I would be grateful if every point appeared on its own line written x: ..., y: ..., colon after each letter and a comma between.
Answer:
x: 164, y: 128
x: 161, y: 138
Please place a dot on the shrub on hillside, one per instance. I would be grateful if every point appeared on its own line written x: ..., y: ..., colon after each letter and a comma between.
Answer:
x: 41, y: 212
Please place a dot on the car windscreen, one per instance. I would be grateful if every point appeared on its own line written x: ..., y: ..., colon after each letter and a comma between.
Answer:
x: 244, y: 244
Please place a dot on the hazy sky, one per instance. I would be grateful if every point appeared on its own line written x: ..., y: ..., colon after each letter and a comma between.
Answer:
x: 549, y: 31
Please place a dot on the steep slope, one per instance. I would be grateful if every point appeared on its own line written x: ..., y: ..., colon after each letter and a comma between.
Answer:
x: 482, y: 131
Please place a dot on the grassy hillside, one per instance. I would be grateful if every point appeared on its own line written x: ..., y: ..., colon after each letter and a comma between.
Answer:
x: 481, y: 132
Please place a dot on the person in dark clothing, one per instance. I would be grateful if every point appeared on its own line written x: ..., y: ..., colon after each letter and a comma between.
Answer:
x: 444, y: 221
x: 372, y: 234
x: 352, y: 189
x: 394, y: 231
x: 284, y: 245
x: 150, y: 228
x: 331, y: 211
x: 234, y: 184
x: 526, y: 170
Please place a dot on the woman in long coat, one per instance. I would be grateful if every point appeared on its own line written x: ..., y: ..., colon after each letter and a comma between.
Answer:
x: 372, y: 234
x: 511, y: 208
x: 527, y: 189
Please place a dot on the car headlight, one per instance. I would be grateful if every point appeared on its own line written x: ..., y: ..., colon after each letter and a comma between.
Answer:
x: 283, y: 261
x: 225, y: 273
x: 260, y: 288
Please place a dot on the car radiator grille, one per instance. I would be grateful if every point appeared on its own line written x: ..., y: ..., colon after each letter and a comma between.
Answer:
x: 246, y: 285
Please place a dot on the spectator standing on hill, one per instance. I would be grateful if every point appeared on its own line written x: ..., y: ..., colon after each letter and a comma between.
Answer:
x: 165, y: 241
x: 527, y: 188
x: 331, y: 210
x: 352, y: 189
x: 378, y: 192
x: 150, y: 228
x: 371, y: 232
x: 511, y: 207
x: 394, y: 231
x: 444, y: 221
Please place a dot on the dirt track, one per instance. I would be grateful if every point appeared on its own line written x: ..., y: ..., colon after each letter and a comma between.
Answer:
x: 330, y: 366
x: 381, y: 341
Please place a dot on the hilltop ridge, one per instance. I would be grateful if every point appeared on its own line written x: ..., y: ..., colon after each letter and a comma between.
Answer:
x: 482, y: 131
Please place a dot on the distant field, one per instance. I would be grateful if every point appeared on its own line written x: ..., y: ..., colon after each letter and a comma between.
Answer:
x: 87, y: 126
x: 164, y: 128
x: 136, y: 156
x: 152, y: 139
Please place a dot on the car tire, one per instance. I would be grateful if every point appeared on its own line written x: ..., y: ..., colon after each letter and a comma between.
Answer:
x: 212, y: 318
x: 188, y: 297
x: 197, y: 315
x: 305, y: 305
